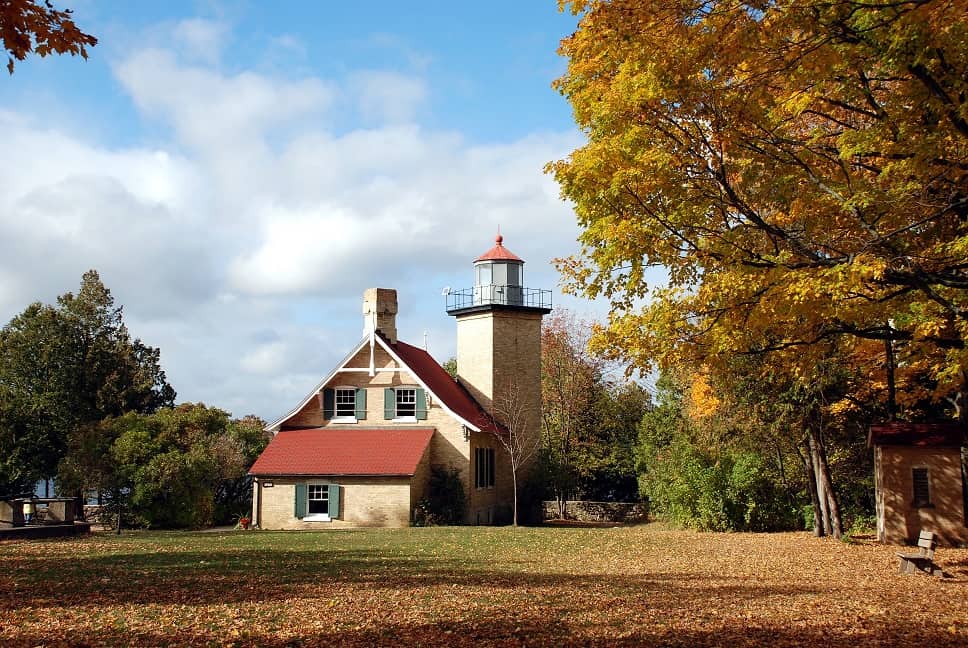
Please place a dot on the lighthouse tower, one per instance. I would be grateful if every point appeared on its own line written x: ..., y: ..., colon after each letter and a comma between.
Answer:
x: 499, y: 338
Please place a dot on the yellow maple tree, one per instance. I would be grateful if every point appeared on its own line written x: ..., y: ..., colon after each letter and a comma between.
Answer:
x: 799, y: 168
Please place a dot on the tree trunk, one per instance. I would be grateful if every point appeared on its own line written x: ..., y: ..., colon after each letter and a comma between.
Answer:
x: 812, y: 488
x: 514, y: 480
x: 891, y: 389
x: 117, y: 502
x: 833, y: 523
x: 821, y: 502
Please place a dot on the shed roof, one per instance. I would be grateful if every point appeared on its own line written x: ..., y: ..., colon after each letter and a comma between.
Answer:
x: 918, y: 435
x: 344, y: 451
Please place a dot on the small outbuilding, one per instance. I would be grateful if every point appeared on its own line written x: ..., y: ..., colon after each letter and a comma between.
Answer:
x: 919, y: 482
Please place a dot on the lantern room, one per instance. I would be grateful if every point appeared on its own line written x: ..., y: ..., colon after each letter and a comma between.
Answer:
x: 498, y: 282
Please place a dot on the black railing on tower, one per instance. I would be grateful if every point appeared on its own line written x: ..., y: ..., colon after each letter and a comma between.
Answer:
x: 498, y: 295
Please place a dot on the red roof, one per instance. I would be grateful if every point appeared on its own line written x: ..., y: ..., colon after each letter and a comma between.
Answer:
x: 454, y: 395
x: 344, y: 451
x: 498, y: 253
x: 919, y: 435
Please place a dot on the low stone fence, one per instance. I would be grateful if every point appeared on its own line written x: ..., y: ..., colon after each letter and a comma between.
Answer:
x: 583, y: 511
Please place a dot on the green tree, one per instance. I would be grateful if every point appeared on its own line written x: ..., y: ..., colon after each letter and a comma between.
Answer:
x: 799, y: 168
x: 698, y: 473
x: 179, y: 467
x: 66, y: 366
x: 605, y: 457
x: 450, y: 366
x: 571, y: 386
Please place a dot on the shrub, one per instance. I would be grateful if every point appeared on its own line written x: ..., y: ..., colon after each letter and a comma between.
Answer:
x: 445, y: 502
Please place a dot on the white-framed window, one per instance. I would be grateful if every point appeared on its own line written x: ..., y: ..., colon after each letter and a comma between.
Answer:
x: 317, y: 501
x: 344, y: 404
x: 484, y: 468
x: 406, y: 401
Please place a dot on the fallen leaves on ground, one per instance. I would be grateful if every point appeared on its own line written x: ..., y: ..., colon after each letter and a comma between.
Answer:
x: 472, y: 586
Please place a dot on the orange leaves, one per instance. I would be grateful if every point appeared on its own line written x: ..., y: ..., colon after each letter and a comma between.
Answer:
x: 469, y: 586
x: 28, y: 26
x: 795, y: 168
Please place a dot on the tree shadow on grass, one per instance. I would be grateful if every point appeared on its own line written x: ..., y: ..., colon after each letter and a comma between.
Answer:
x: 257, y: 575
x: 532, y: 629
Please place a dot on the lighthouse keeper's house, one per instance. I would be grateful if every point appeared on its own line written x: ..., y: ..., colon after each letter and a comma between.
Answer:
x: 358, y: 449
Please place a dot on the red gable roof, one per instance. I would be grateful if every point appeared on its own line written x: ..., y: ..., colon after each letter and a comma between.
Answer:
x: 498, y: 253
x: 454, y: 395
x: 344, y: 451
x: 919, y: 435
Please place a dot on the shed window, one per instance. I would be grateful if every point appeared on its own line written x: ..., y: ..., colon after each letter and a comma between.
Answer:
x: 922, y: 489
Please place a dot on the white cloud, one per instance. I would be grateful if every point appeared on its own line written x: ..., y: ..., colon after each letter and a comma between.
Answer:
x: 208, y: 109
x: 200, y: 38
x: 241, y: 247
x: 265, y: 359
x: 388, y: 96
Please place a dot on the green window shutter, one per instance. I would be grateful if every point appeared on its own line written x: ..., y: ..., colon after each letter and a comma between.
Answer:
x: 421, y: 404
x: 361, y: 404
x: 329, y: 403
x: 300, y: 501
x: 334, y: 501
x: 389, y: 403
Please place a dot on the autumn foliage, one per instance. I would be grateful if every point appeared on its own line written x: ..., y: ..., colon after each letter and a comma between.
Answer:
x: 799, y: 168
x: 475, y: 586
x: 30, y: 27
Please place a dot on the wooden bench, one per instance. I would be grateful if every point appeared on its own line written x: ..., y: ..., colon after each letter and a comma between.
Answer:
x: 923, y: 560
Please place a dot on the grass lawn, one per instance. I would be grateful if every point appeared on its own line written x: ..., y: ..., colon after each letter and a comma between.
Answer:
x: 473, y: 586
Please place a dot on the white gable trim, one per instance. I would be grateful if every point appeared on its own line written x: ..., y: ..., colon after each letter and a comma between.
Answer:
x: 443, y: 405
x: 341, y: 367
x: 274, y: 427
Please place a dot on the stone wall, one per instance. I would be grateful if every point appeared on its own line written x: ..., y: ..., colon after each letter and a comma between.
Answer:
x: 583, y: 511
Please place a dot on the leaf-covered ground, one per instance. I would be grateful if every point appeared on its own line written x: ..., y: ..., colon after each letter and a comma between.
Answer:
x: 474, y: 586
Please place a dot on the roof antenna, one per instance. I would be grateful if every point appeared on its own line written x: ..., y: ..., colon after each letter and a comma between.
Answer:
x: 425, y: 341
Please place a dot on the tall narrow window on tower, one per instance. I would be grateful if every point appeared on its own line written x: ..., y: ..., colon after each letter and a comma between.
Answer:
x: 484, y: 468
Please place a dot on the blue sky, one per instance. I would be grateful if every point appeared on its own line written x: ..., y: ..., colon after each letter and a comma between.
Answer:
x: 239, y: 172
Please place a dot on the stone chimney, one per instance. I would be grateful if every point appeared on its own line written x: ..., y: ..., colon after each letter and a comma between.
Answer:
x: 380, y: 312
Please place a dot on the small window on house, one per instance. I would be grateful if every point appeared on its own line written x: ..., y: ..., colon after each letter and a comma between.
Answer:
x: 922, y: 489
x: 318, y: 499
x: 406, y: 402
x: 346, y: 403
x: 484, y: 468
